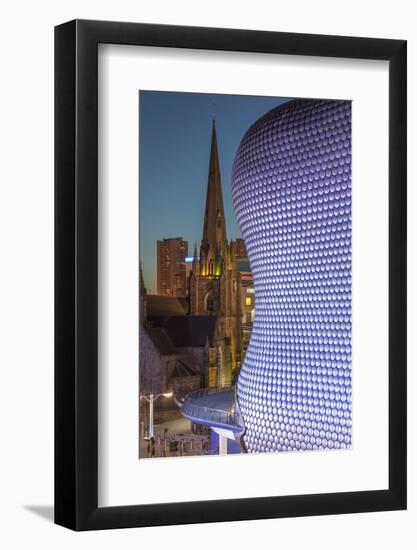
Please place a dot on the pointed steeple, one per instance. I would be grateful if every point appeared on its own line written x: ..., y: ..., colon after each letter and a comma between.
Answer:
x: 214, y: 230
x: 141, y: 280
x: 142, y: 297
x: 196, y: 261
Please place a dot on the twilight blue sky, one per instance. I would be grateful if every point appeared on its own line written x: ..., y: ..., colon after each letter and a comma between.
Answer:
x: 175, y: 133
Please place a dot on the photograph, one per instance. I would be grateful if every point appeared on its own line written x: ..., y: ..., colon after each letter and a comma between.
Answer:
x: 245, y: 275
x: 208, y: 334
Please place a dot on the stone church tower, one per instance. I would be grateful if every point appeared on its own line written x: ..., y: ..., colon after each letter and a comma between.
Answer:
x: 215, y: 287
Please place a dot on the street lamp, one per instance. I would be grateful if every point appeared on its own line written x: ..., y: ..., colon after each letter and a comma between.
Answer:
x: 150, y: 399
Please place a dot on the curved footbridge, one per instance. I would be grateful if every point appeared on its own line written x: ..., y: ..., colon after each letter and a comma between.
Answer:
x: 218, y: 409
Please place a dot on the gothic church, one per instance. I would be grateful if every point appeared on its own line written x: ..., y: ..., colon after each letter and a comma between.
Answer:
x: 215, y: 285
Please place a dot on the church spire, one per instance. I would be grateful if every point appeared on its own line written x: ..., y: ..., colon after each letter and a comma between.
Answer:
x: 214, y: 230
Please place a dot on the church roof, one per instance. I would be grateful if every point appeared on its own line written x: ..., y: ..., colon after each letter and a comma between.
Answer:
x: 181, y: 368
x: 165, y: 306
x: 190, y: 331
x: 161, y: 340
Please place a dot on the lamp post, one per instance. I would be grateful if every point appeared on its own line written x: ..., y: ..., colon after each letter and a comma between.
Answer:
x: 151, y: 398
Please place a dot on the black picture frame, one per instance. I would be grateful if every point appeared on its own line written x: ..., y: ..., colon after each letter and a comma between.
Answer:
x: 76, y: 272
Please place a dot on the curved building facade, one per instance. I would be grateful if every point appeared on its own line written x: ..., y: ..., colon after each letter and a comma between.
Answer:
x: 291, y: 188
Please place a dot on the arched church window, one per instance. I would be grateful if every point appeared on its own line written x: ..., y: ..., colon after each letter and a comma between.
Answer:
x: 209, y: 303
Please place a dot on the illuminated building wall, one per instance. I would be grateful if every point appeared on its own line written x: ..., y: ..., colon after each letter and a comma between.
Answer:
x: 291, y: 188
x: 171, y: 271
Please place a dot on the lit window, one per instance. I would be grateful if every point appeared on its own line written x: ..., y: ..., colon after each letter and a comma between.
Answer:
x: 248, y: 301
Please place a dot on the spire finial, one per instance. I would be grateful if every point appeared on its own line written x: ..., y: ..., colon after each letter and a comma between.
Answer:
x: 214, y: 111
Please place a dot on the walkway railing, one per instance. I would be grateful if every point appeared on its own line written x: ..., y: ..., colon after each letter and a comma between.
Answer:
x: 192, y: 408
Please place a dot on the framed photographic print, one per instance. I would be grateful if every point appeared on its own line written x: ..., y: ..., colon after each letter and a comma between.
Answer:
x: 230, y: 275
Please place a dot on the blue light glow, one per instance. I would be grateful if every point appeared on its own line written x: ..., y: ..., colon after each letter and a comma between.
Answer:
x: 291, y: 188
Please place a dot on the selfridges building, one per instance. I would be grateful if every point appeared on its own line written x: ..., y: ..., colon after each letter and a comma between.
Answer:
x: 291, y: 187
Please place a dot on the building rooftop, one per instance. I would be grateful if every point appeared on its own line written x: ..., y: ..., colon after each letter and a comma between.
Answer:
x: 181, y: 368
x: 165, y: 306
x: 243, y: 266
x: 190, y: 331
x: 161, y: 340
